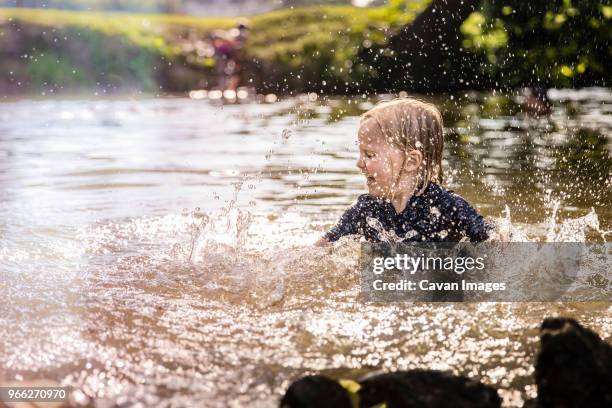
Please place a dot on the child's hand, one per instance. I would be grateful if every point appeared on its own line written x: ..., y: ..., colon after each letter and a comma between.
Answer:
x: 322, y: 242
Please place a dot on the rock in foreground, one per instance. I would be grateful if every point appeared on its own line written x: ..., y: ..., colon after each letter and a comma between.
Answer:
x: 574, y: 366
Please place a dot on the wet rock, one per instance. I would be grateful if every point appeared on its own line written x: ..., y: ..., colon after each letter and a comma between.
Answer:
x: 426, y: 388
x: 316, y: 391
x: 573, y: 370
x: 573, y: 367
x: 409, y: 389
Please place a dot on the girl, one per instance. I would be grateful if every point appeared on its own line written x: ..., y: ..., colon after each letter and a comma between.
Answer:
x: 400, y: 154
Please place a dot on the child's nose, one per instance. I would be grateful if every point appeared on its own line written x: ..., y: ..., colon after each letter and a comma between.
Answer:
x: 360, y: 163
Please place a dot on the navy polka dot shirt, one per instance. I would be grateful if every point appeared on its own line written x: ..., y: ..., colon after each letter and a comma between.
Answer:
x: 437, y: 215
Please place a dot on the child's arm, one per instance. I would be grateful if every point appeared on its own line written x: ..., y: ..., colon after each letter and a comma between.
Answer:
x: 470, y: 222
x: 351, y: 223
x: 321, y: 242
x: 478, y: 229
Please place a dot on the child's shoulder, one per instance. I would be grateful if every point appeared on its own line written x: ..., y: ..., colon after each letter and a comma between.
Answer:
x: 462, y: 218
x: 448, y: 200
x: 371, y: 201
x: 435, y: 195
x: 370, y: 206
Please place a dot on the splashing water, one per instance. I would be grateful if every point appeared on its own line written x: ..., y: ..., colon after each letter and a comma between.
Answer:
x: 117, y: 293
x: 573, y: 230
x: 383, y: 235
x: 230, y: 227
x: 569, y: 230
x: 270, y: 276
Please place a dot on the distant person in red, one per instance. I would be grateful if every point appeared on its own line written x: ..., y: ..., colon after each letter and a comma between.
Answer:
x: 228, y: 46
x: 535, y: 101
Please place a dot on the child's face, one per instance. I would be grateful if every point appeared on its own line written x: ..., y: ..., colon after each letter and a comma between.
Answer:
x: 379, y: 160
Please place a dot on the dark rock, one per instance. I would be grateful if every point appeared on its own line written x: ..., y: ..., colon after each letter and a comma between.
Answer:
x: 410, y: 389
x: 426, y: 389
x: 316, y: 391
x: 574, y: 366
x: 573, y: 370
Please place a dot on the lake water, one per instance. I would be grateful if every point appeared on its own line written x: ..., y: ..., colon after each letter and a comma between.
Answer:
x: 157, y: 251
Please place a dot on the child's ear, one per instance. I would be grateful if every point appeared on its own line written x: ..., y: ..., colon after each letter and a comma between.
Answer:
x: 414, y: 159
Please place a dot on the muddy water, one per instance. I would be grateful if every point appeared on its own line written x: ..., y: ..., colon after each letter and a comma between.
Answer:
x: 158, y: 251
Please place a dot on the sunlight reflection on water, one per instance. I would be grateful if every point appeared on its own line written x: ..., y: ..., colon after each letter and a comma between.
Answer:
x: 111, y: 292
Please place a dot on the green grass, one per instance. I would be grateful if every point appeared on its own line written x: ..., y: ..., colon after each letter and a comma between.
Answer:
x: 288, y: 28
x: 295, y: 47
x: 154, y: 31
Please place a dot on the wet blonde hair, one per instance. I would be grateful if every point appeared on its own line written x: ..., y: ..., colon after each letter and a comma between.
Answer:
x: 411, y: 124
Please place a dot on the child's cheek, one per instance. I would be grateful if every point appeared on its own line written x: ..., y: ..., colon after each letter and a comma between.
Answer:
x: 386, y: 167
x: 371, y: 166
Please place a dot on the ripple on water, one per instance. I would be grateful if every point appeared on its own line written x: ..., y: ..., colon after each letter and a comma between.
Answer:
x: 226, y: 308
x: 236, y: 324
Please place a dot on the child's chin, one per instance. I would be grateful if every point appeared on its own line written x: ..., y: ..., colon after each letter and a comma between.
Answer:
x: 375, y: 192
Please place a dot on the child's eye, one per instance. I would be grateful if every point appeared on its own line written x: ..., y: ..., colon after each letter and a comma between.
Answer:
x: 369, y: 155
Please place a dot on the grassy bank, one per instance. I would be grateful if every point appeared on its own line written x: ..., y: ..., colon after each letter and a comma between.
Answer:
x: 328, y: 48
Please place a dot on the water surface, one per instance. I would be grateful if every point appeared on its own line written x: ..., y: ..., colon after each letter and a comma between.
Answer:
x: 158, y: 250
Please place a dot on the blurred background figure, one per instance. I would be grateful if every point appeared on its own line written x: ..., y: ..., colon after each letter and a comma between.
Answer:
x: 535, y: 101
x: 228, y: 46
